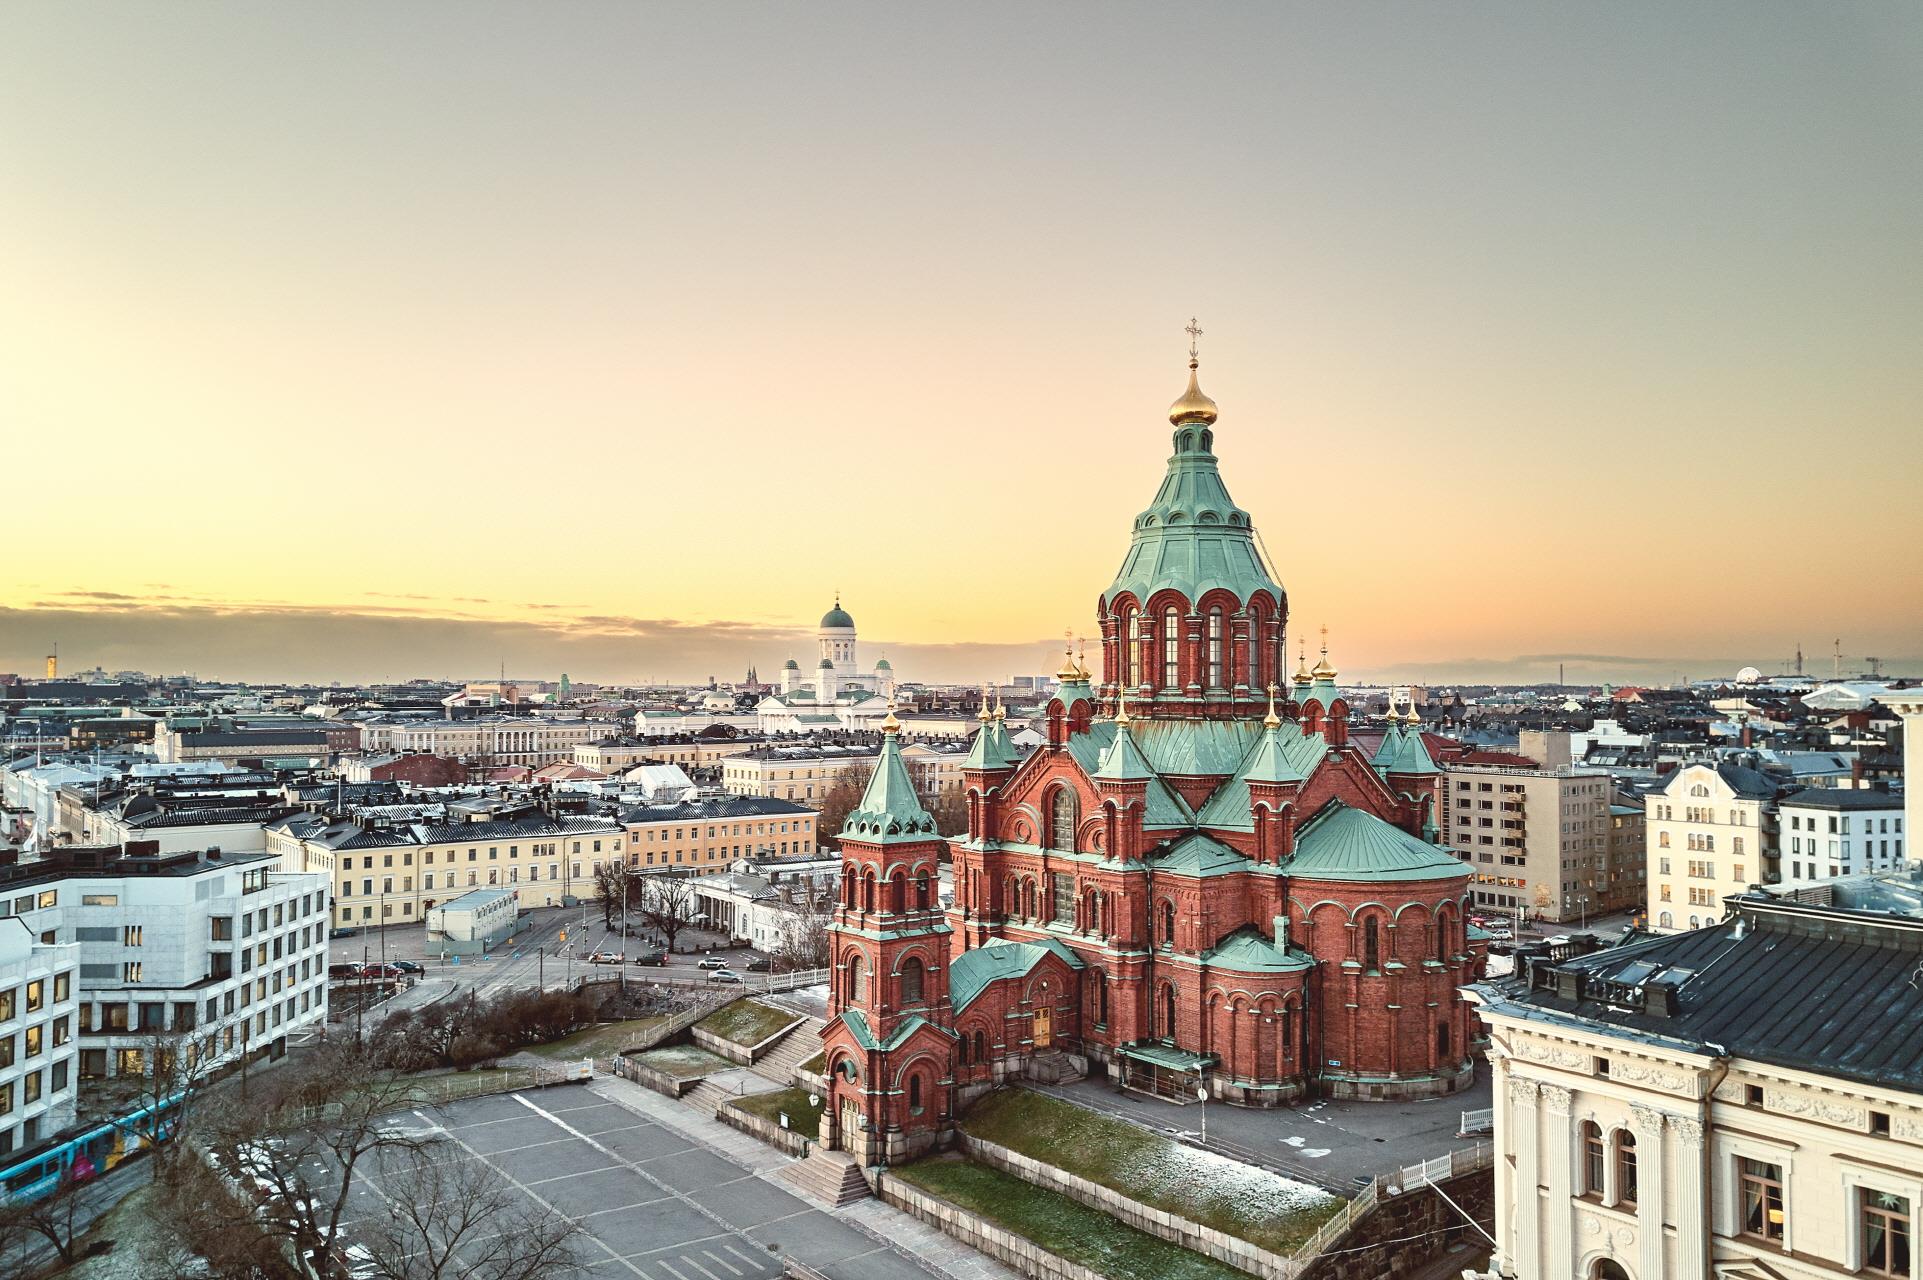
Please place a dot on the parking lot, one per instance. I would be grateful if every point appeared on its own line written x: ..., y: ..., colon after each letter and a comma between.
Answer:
x: 655, y: 1205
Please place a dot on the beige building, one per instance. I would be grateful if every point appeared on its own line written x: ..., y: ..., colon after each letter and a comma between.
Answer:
x: 1707, y: 832
x: 1714, y: 1104
x: 614, y: 755
x: 806, y: 774
x: 1537, y: 839
x: 397, y: 871
x: 706, y: 836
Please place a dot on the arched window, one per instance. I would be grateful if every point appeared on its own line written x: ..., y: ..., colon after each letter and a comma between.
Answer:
x: 911, y: 971
x: 868, y: 892
x: 1610, y: 1269
x: 1442, y: 1041
x: 857, y: 979
x: 1371, y: 946
x: 1666, y: 921
x: 1062, y: 820
x: 1168, y: 923
x: 921, y: 891
x: 1625, y: 1167
x: 849, y: 879
x: 1028, y: 898
x: 1171, y: 648
x: 1099, y: 981
x: 1442, y: 939
x: 1215, y: 647
x: 981, y: 1048
x: 1132, y: 637
x: 963, y: 1048
x: 898, y: 892
x: 1168, y: 1011
x: 914, y: 1094
x: 1591, y: 1138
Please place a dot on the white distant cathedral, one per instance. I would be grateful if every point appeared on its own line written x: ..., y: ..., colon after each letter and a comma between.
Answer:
x: 837, y: 693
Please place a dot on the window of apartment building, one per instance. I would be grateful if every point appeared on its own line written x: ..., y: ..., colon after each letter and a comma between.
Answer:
x: 1592, y: 1159
x: 130, y: 935
x: 130, y: 972
x: 36, y: 995
x: 1885, y: 1220
x: 1761, y: 1188
x: 99, y: 899
x: 49, y: 898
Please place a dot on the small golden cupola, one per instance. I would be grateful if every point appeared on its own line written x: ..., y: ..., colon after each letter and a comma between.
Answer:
x: 1193, y: 406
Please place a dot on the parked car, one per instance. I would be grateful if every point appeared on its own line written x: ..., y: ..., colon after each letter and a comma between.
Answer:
x: 1561, y: 939
x: 725, y: 975
x: 651, y: 957
x: 606, y: 957
x: 406, y: 966
x: 344, y: 933
x: 343, y: 971
x: 712, y: 963
x: 380, y: 972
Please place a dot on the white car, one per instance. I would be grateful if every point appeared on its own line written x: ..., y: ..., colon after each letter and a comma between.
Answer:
x: 606, y: 957
x: 712, y: 963
x: 725, y: 975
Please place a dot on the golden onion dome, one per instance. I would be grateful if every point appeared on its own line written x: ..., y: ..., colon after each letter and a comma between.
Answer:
x: 1193, y: 406
x: 1324, y: 670
x: 1302, y: 675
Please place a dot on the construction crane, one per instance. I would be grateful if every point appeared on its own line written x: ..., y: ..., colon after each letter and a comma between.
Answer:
x: 1876, y: 667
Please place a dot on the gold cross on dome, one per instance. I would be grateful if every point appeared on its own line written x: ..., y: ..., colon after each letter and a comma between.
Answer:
x: 1194, y: 331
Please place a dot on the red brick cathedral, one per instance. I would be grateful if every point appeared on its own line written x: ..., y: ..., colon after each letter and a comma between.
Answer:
x: 1199, y: 882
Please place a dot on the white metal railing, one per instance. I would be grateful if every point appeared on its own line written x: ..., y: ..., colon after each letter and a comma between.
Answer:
x: 1479, y: 1121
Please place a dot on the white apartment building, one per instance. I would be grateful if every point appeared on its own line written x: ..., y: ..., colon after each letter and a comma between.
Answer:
x: 224, y: 950
x: 806, y: 774
x: 1825, y: 832
x: 1738, y: 1102
x: 1709, y: 836
x: 38, y: 1079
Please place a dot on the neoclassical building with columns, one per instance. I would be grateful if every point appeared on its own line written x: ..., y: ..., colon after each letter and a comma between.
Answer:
x: 1742, y: 1102
x: 1197, y: 881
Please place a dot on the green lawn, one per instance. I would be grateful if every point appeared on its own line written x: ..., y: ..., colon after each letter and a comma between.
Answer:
x: 815, y: 1065
x: 603, y: 1041
x: 683, y: 1061
x: 746, y: 1022
x: 1061, y: 1226
x: 1266, y: 1209
x: 803, y: 1116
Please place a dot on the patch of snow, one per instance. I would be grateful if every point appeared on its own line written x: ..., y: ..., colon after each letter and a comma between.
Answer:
x: 1176, y: 1173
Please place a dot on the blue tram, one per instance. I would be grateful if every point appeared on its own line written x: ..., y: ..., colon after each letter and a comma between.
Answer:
x: 86, y: 1154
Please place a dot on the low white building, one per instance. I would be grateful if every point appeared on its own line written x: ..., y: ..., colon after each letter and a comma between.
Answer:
x: 480, y: 917
x: 1825, y: 832
x: 1739, y: 1102
x: 38, y: 991
x: 223, y: 950
x: 762, y: 901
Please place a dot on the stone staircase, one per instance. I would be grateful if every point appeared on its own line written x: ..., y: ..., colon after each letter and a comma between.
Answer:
x: 1052, y: 1066
x: 802, y: 1042
x: 711, y: 1094
x: 831, y: 1177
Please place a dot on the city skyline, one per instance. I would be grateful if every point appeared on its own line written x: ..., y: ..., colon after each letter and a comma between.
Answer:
x: 415, y: 334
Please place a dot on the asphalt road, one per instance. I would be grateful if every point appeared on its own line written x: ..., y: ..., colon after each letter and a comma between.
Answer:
x: 655, y: 1205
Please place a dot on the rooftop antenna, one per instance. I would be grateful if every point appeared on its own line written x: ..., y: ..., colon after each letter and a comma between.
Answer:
x: 1837, y: 657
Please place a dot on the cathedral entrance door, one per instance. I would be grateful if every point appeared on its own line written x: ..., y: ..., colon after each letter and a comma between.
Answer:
x: 850, y: 1123
x: 1044, y: 1034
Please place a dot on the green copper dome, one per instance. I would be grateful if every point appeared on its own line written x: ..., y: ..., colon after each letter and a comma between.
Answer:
x: 1192, y: 538
x: 837, y: 617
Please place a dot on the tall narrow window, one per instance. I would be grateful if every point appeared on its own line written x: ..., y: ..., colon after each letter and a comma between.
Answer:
x: 857, y: 980
x: 1371, y: 946
x: 914, y: 1094
x: 1168, y: 1011
x: 1592, y: 1159
x: 1062, y: 820
x: 1625, y: 1168
x: 1132, y: 637
x: 1886, y: 1233
x: 911, y: 971
x: 1215, y: 648
x: 1171, y: 648
x: 1168, y: 924
x: 1762, y: 1203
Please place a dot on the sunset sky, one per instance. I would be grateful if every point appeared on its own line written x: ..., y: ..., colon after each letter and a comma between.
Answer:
x: 373, y: 341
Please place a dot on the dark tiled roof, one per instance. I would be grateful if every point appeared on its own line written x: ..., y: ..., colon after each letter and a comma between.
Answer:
x: 715, y: 807
x: 1810, y: 988
x: 1843, y: 798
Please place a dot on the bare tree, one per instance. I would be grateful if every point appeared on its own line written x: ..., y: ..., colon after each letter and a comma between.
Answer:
x: 666, y: 903
x: 54, y: 1217
x: 302, y: 1141
x: 204, y: 1232
x: 949, y: 808
x: 803, y: 941
x: 450, y: 1216
x: 839, y: 801
x: 609, y: 878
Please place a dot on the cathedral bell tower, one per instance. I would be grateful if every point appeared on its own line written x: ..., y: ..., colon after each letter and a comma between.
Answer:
x: 888, y: 1044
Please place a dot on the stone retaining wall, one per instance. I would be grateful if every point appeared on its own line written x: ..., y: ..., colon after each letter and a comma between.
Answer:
x: 659, y: 1081
x: 742, y: 1055
x: 1003, y: 1246
x: 792, y: 1141
x: 1407, y: 1233
x: 1219, y: 1245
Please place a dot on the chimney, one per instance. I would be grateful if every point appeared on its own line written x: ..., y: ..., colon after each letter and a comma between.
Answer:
x: 1281, y: 926
x: 1749, y: 735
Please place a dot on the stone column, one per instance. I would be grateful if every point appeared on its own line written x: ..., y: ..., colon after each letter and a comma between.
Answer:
x: 1647, y: 1124
x: 1558, y: 1165
x: 1526, y: 1204
x: 1692, y: 1203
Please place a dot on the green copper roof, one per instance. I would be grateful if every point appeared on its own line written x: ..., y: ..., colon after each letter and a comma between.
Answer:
x: 1165, y: 808
x: 1229, y: 807
x: 1341, y: 843
x: 972, y: 971
x: 1124, y: 761
x: 865, y: 1036
x: 1247, y: 951
x: 1198, y: 856
x: 1196, y: 748
x: 990, y: 749
x: 1192, y: 537
x: 1270, y: 761
x: 889, y: 810
x: 837, y: 616
x: 1385, y: 755
x: 1412, y: 756
x: 1167, y: 1055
